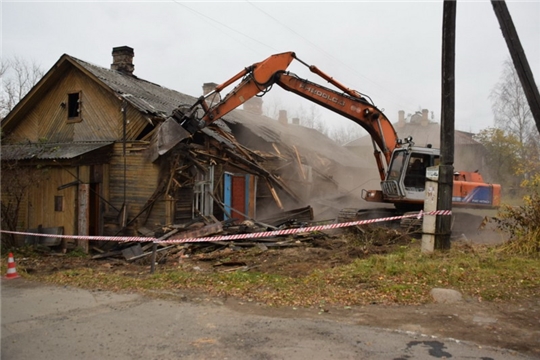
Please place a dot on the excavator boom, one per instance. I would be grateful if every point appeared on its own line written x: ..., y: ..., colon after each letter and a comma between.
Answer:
x: 256, y: 78
x: 349, y: 103
x: 355, y: 108
x: 402, y: 182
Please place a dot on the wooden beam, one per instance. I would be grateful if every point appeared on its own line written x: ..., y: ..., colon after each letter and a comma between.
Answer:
x: 202, y: 232
x: 299, y: 162
x: 274, y: 194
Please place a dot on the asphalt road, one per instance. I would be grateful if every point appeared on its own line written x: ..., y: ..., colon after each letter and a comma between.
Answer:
x: 48, y: 322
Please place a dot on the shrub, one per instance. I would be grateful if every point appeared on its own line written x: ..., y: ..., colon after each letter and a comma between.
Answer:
x: 522, y: 223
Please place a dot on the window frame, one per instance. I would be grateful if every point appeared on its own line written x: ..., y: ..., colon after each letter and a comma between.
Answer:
x: 78, y: 118
x: 58, y: 203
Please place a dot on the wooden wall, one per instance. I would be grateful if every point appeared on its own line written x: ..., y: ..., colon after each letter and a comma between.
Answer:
x: 40, y: 202
x: 102, y: 119
x: 101, y: 114
x: 142, y: 180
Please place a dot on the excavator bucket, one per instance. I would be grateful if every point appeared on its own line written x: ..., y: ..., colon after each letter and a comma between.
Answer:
x: 169, y: 134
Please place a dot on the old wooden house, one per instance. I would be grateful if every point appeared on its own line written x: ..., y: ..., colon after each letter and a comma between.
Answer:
x: 93, y: 144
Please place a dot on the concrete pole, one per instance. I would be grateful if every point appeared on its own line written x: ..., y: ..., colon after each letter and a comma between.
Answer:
x: 446, y: 168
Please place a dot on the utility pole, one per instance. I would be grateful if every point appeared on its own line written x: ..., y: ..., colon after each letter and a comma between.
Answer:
x: 446, y: 168
x: 518, y: 57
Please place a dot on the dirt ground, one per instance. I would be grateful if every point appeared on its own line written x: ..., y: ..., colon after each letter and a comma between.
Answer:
x: 514, y: 326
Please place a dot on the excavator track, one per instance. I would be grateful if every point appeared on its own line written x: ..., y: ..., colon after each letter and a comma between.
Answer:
x: 466, y: 223
x: 411, y: 225
x: 355, y: 214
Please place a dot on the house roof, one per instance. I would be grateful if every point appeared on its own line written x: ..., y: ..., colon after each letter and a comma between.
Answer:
x: 310, y: 140
x: 148, y: 97
x: 155, y: 100
x: 49, y: 151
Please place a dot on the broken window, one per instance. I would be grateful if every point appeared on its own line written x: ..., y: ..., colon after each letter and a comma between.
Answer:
x: 74, y: 106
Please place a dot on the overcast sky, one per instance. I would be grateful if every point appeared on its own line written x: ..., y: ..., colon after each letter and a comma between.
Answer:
x: 390, y: 51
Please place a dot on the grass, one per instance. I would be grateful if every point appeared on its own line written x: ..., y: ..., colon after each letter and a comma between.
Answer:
x: 403, y: 277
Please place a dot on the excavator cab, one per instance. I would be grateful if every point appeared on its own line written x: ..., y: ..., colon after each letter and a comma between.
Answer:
x: 406, y: 176
x: 405, y: 181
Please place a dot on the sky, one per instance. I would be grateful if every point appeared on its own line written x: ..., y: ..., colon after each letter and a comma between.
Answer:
x: 390, y: 51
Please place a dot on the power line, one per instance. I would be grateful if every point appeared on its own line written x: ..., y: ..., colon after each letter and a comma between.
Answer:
x: 225, y: 26
x: 322, y: 50
x: 213, y: 22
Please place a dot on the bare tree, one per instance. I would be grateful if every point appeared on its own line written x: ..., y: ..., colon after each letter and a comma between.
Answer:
x: 311, y: 118
x: 510, y: 106
x: 17, y: 180
x: 18, y: 78
x: 513, y: 115
x: 272, y: 106
x: 346, y: 134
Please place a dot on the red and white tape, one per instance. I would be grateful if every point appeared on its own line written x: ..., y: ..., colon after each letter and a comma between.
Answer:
x: 237, y: 236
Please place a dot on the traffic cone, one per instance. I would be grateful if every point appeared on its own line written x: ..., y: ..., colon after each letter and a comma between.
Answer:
x: 11, y: 271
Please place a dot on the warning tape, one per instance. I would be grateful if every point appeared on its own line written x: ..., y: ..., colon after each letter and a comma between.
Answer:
x: 237, y: 236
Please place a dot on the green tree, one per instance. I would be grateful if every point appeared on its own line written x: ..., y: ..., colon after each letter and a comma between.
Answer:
x: 502, y: 155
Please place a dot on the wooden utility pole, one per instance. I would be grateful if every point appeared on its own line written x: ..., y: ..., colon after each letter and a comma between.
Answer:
x: 518, y: 57
x: 446, y: 169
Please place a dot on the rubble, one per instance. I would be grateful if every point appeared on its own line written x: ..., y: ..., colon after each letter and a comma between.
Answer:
x: 170, y: 237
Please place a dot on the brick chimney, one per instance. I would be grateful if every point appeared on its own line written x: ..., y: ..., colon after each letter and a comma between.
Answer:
x: 254, y: 105
x: 283, y: 117
x: 425, y: 118
x: 401, y: 118
x: 123, y: 60
x: 207, y: 89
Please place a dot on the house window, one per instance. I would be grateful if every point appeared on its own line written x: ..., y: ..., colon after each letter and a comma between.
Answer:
x: 74, y: 106
x: 58, y: 203
x: 203, y: 187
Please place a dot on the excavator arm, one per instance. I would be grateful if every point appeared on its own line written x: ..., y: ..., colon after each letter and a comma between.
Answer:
x: 354, y: 108
x: 399, y: 188
x: 256, y: 78
x: 260, y: 77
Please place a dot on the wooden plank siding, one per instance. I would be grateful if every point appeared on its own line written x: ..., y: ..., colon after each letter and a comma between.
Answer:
x: 41, y: 199
x: 141, y: 182
x: 101, y: 114
x: 102, y: 118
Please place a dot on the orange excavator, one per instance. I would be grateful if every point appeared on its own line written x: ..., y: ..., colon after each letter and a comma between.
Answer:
x: 401, y: 164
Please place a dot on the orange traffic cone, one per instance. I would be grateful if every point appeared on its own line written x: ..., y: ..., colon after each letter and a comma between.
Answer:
x: 11, y: 271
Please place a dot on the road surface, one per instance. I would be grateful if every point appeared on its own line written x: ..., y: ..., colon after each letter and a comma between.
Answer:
x: 50, y: 322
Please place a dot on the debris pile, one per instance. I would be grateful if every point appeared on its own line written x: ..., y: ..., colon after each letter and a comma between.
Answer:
x: 175, y: 241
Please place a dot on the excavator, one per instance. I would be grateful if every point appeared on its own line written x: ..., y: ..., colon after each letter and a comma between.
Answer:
x: 401, y: 164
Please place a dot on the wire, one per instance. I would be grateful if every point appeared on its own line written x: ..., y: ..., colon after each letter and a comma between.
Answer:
x: 326, y: 53
x: 294, y: 32
x: 228, y: 27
